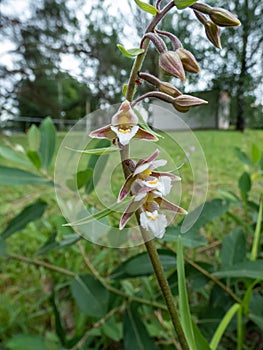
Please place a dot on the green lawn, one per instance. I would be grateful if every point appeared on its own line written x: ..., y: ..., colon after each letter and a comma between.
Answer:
x: 23, y: 305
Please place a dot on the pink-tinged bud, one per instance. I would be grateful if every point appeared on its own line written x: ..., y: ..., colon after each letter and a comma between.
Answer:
x: 176, y: 43
x: 156, y: 40
x: 188, y: 60
x: 223, y: 18
x: 152, y: 79
x: 124, y: 116
x: 213, y: 33
x: 171, y: 63
x: 183, y: 102
x: 169, y: 89
x: 164, y: 87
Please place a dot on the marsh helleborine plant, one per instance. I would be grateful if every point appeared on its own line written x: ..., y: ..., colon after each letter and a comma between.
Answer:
x: 146, y: 187
x: 143, y: 181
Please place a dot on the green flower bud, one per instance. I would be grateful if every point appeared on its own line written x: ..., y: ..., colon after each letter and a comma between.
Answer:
x: 170, y: 63
x: 188, y: 60
x: 213, y: 33
x: 223, y: 18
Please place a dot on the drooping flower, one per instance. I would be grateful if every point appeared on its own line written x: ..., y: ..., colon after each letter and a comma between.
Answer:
x: 144, y: 179
x: 148, y: 188
x: 124, y: 126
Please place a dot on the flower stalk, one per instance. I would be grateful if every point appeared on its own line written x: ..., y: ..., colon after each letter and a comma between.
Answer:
x: 143, y: 183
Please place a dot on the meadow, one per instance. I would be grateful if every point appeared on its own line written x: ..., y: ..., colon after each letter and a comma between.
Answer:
x: 32, y: 291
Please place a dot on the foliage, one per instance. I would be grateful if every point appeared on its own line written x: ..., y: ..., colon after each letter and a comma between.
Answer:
x: 97, y: 298
x: 120, y: 306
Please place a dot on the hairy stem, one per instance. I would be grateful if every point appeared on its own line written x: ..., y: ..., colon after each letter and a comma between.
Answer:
x: 140, y: 58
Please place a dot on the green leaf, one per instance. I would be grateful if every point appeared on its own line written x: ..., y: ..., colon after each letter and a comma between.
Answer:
x: 223, y: 325
x: 99, y: 151
x: 112, y: 329
x: 14, y: 156
x: 255, y: 153
x: 190, y: 239
x: 3, y: 247
x: 98, y: 215
x: 28, y: 342
x: 15, y: 176
x: 140, y: 265
x: 83, y: 177
x: 124, y: 89
x: 183, y: 299
x: 30, y: 213
x: 243, y: 157
x: 52, y: 243
x: 135, y: 333
x: 92, y: 163
x: 233, y: 248
x: 181, y: 4
x: 60, y: 331
x: 247, y: 269
x: 33, y: 138
x: 147, y: 7
x: 256, y: 310
x: 244, y: 182
x: 256, y: 238
x: 47, y: 142
x: 130, y: 52
x: 90, y: 295
x: 34, y: 157
x: 201, y: 342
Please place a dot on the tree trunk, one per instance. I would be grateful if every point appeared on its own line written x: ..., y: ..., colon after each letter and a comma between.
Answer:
x: 241, y: 121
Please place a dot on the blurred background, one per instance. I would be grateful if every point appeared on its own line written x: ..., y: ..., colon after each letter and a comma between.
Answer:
x: 59, y: 58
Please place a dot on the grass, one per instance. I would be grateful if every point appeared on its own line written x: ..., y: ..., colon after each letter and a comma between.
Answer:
x: 24, y: 305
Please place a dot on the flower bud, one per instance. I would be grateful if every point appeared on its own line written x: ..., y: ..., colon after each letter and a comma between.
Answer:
x: 183, y: 102
x: 170, y: 63
x: 213, y: 33
x: 203, y: 8
x: 223, y: 18
x: 125, y: 115
x: 152, y: 79
x: 188, y: 60
x: 157, y: 41
x: 176, y: 43
x: 169, y: 89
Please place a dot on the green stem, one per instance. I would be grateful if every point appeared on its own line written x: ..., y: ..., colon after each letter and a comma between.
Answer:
x: 140, y: 58
x: 166, y: 291
x: 150, y: 246
x: 124, y: 153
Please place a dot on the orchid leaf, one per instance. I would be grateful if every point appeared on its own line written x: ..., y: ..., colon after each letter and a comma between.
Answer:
x: 181, y: 4
x: 98, y: 151
x: 130, y: 52
x: 147, y: 7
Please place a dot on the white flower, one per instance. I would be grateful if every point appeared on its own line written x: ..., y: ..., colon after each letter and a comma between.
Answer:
x: 125, y: 135
x: 153, y: 222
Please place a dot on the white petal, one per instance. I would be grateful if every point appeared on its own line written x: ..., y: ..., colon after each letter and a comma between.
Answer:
x: 158, y: 163
x: 141, y: 168
x: 154, y: 222
x: 164, y: 185
x: 125, y: 135
x: 140, y: 196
